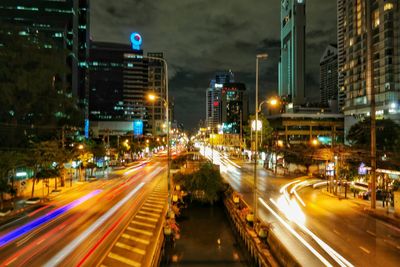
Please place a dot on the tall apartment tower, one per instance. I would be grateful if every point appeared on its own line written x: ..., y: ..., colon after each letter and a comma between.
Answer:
x: 329, y: 76
x: 354, y: 60
x: 292, y: 58
x: 156, y: 84
x: 214, y: 97
x: 63, y: 25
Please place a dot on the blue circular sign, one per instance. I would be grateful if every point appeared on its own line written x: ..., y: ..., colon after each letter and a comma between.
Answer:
x: 136, y: 40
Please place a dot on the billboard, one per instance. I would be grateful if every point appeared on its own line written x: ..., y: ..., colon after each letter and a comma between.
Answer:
x: 137, y: 127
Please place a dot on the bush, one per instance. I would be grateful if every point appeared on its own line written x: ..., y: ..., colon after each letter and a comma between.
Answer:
x: 204, y: 185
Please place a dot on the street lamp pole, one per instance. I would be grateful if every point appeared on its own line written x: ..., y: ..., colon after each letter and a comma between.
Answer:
x: 166, y: 100
x: 258, y: 57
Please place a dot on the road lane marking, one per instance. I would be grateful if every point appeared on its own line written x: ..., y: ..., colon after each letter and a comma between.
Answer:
x: 62, y: 254
x: 136, y: 239
x: 155, y: 202
x: 146, y: 218
x: 153, y: 205
x: 152, y: 209
x: 364, y: 249
x: 123, y: 260
x: 144, y: 224
x: 336, y: 232
x: 140, y: 231
x: 152, y: 214
x: 371, y: 233
x: 130, y: 248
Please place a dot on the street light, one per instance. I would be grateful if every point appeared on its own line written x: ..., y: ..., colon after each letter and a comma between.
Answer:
x: 153, y: 97
x: 258, y: 57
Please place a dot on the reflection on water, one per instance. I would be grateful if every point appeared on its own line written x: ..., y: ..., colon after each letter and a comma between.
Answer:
x: 206, y: 239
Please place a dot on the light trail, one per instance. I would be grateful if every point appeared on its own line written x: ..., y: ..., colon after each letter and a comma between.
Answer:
x: 293, y: 191
x: 335, y: 255
x: 293, y: 212
x: 20, y: 231
x: 295, y: 234
x: 61, y: 255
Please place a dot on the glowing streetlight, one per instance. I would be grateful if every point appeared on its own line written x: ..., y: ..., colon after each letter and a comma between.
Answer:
x: 152, y: 97
x: 315, y: 142
x: 80, y: 147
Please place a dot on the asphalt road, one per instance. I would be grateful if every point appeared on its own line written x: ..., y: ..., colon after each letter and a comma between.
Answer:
x: 364, y: 240
x: 79, y: 226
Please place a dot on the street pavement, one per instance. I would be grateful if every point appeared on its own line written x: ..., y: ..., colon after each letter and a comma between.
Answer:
x: 323, y: 231
x: 79, y: 227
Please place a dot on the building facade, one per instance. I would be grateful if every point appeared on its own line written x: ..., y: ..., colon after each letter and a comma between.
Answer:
x: 63, y: 25
x: 292, y: 51
x: 156, y: 85
x: 118, y: 84
x: 358, y: 61
x: 234, y: 107
x: 329, y: 76
x: 214, y: 97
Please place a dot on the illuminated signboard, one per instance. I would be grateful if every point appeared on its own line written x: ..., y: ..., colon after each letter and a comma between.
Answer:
x: 138, y: 127
x: 86, y: 128
x: 136, y: 41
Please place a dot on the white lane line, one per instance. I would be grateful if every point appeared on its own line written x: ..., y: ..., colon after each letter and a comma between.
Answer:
x: 144, y: 224
x: 295, y: 234
x: 153, y: 205
x: 139, y: 231
x: 152, y: 209
x: 130, y: 248
x: 336, y: 232
x: 371, y: 233
x: 146, y: 218
x: 123, y: 260
x: 136, y: 239
x: 152, y: 214
x: 335, y: 255
x: 364, y: 249
x: 62, y: 254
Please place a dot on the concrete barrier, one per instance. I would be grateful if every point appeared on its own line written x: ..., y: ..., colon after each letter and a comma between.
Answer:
x: 268, y: 251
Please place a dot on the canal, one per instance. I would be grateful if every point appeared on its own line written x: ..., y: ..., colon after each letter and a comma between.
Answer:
x: 206, y: 239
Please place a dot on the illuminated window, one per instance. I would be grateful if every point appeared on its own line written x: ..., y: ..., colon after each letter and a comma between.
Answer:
x: 351, y: 41
x: 375, y: 17
x: 388, y: 6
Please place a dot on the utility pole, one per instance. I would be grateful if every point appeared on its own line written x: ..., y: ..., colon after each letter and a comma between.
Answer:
x: 370, y: 85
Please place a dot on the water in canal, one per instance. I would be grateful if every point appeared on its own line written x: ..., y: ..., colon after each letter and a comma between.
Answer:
x: 206, y: 239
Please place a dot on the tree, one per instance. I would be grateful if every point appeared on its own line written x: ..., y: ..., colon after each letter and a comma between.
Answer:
x: 300, y: 154
x: 204, y: 184
x: 387, y: 141
x: 35, y: 99
x: 9, y: 161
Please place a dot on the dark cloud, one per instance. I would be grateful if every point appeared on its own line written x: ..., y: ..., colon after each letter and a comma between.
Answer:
x: 200, y: 37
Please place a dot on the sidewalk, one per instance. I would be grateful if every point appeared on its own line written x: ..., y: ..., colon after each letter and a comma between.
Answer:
x: 381, y: 213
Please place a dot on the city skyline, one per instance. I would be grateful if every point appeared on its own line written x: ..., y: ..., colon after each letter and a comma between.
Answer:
x: 251, y: 29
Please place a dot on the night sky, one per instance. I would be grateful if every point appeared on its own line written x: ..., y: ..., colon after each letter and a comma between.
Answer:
x: 200, y: 37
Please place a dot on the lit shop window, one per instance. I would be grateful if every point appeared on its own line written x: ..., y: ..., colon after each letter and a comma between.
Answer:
x: 388, y: 6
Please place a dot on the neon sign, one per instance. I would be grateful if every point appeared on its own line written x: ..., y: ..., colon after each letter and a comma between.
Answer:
x: 136, y: 41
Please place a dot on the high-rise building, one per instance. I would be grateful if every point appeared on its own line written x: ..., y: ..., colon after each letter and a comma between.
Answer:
x: 213, y: 97
x: 292, y: 58
x: 234, y: 107
x: 156, y: 85
x: 329, y: 76
x: 118, y: 85
x: 340, y: 51
x: 62, y: 24
x: 355, y: 64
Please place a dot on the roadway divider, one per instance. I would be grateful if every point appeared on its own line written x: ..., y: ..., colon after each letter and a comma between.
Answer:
x: 261, y: 242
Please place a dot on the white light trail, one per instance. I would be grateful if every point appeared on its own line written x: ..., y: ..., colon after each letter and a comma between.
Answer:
x: 60, y: 256
x: 295, y: 234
